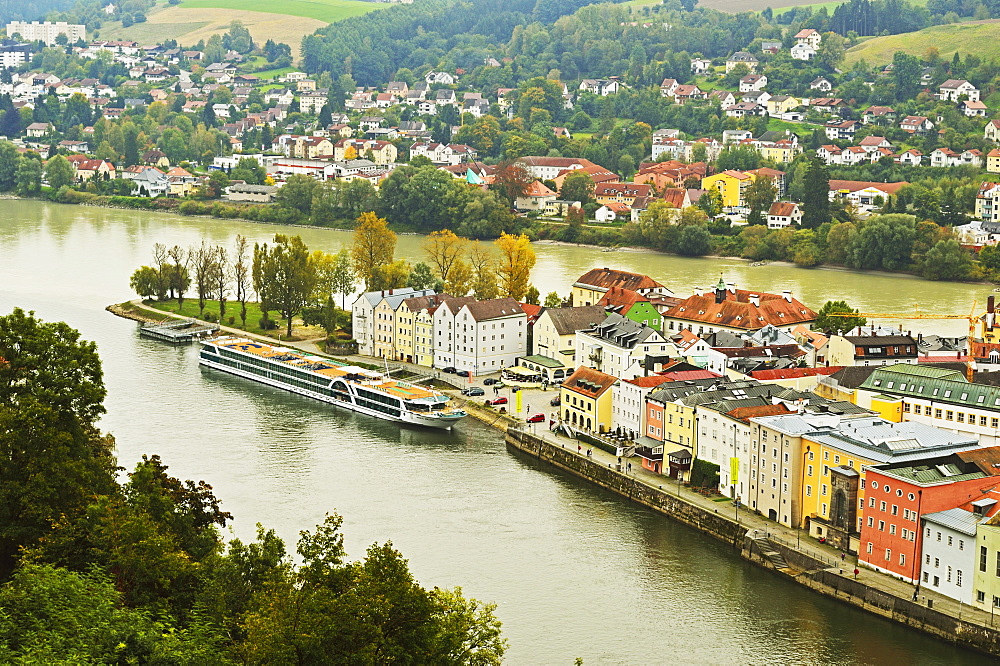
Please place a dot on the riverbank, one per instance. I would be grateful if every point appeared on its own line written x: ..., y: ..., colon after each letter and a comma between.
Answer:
x: 815, y: 566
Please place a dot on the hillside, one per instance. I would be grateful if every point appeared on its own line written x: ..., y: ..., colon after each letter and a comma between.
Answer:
x: 979, y: 37
x: 286, y: 21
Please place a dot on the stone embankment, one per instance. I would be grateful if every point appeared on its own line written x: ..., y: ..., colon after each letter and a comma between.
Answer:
x: 873, y: 592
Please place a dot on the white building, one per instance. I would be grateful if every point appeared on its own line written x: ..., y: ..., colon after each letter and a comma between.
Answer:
x: 628, y: 402
x: 366, y: 329
x: 47, y: 32
x: 949, y: 549
x: 481, y: 336
x: 618, y: 346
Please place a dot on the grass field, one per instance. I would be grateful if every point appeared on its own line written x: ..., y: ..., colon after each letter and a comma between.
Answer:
x: 190, y: 309
x: 979, y: 37
x: 327, y: 11
x: 273, y: 73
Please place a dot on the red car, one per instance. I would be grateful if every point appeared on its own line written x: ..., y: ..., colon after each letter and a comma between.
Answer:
x: 497, y: 401
x: 537, y: 418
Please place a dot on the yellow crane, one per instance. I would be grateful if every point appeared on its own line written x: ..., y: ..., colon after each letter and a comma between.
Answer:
x: 972, y: 318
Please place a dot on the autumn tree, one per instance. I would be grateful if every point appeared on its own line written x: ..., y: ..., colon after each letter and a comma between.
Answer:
x: 511, y: 179
x: 517, y: 258
x: 374, y: 245
x: 484, y: 274
x: 444, y: 248
x: 460, y: 279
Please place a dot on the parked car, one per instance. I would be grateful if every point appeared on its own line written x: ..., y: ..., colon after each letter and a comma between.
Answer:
x: 450, y: 370
x: 555, y: 402
x: 496, y: 401
x: 473, y: 390
x: 462, y: 373
x: 536, y: 418
x: 490, y: 381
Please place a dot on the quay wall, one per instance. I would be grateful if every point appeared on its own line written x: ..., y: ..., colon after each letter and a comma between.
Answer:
x: 802, y: 567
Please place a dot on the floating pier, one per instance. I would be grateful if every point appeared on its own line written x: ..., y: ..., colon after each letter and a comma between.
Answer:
x: 178, y: 332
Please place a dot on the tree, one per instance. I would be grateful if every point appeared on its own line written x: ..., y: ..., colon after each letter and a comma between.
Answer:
x: 816, y: 197
x: 241, y: 275
x: 759, y: 196
x: 220, y: 276
x: 249, y: 170
x: 444, y: 248
x: 28, y: 176
x: 53, y: 459
x: 59, y: 172
x: 552, y: 300
x: 531, y: 295
x: 512, y: 179
x: 145, y: 281
x: 8, y: 164
x: 577, y: 186
x: 517, y: 258
x: 180, y: 278
x: 946, y: 261
x: 374, y: 245
x: 693, y: 241
x: 883, y: 241
x: 826, y: 322
x: 421, y: 277
x: 289, y: 275
x: 297, y: 192
x: 393, y: 275
x: 460, y: 279
x: 202, y: 260
x: 484, y: 281
x: 343, y: 276
x: 831, y: 51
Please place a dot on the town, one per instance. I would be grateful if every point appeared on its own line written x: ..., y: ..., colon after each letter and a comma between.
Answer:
x: 880, y: 442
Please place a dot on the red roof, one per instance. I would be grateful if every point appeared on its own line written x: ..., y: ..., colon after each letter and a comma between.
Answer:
x: 690, y: 375
x: 589, y: 382
x: 649, y: 382
x: 737, y: 311
x: 747, y: 413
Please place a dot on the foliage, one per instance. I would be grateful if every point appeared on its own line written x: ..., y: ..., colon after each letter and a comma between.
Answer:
x: 517, y: 258
x: 374, y: 245
x: 829, y: 324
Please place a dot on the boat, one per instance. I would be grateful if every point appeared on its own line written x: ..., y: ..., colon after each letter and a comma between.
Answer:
x: 349, y: 386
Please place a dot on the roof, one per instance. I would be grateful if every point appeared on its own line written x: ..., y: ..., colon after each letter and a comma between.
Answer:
x: 621, y: 331
x: 858, y: 185
x: 603, y: 279
x: 589, y: 382
x: 621, y: 299
x: 746, y: 413
x: 690, y: 375
x: 737, y: 311
x: 651, y: 381
x: 954, y: 83
x: 783, y: 208
x: 880, y: 340
x: 570, y: 320
x: 792, y: 373
x: 956, y: 519
x: 543, y: 361
x: 494, y: 308
x: 538, y: 189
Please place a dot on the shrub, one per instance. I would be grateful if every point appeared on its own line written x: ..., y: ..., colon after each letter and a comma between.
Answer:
x: 230, y: 320
x: 704, y: 474
x: 266, y: 324
x: 210, y: 316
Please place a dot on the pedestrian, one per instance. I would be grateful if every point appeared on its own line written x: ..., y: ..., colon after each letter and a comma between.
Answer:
x: 589, y: 452
x: 619, y: 461
x: 579, y: 448
x: 843, y: 556
x: 630, y: 468
x: 914, y: 595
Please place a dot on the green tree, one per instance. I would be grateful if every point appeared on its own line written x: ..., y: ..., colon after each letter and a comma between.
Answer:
x: 815, y: 197
x: 577, y: 186
x: 8, y: 166
x: 145, y: 281
x: 883, y: 241
x: 829, y: 324
x: 297, y: 193
x: 531, y: 295
x: 28, y: 176
x: 53, y: 458
x: 759, y: 196
x: 343, y: 277
x: 694, y: 241
x: 248, y: 170
x: 553, y: 300
x: 290, y: 276
x: 421, y: 277
x: 59, y: 172
x: 946, y: 261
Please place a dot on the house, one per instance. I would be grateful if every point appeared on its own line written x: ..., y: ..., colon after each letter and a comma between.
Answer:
x: 802, y: 52
x: 878, y: 115
x: 874, y: 348
x: 916, y: 125
x: 611, y: 212
x: 950, y: 565
x: 821, y: 84
x: 730, y: 184
x: 480, y: 336
x: 620, y: 346
x: 148, y: 181
x: 685, y: 93
x: 902, y: 494
x: 729, y: 309
x: 547, y: 168
x: 74, y: 146
x: 554, y: 332
x: 944, y: 157
x: 911, y: 157
x: 182, y: 182
x: 864, y: 195
x: 770, y: 47
x: 809, y: 37
x: 628, y: 409
x: 827, y: 104
x: 443, y: 78
x: 741, y: 58
x: 667, y: 87
x: 993, y: 161
x: 753, y: 82
x: 871, y: 144
x: 783, y: 214
x: 586, y: 400
x: 601, y: 87
x: 622, y: 193
x: 700, y: 65
x: 744, y: 109
x: 38, y: 130
x: 87, y: 168
x: 370, y: 330
x: 988, y: 202
x: 535, y: 198
x: 841, y: 131
x: 972, y: 108
x: 592, y: 285
x: 780, y: 104
x: 830, y: 154
x: 953, y: 89
x: 724, y: 98
x: 992, y: 131
x: 632, y: 305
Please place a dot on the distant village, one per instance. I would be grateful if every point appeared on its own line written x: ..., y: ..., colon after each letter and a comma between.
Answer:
x: 360, y: 143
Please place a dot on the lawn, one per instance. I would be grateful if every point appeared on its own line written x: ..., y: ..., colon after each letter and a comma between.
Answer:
x: 776, y: 125
x: 322, y: 10
x: 190, y: 309
x: 981, y: 38
x: 268, y: 74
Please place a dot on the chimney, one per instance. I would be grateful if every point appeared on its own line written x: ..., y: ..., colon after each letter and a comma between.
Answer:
x: 731, y: 286
x: 390, y: 292
x: 755, y: 300
x: 787, y: 295
x: 989, y: 304
x: 697, y: 291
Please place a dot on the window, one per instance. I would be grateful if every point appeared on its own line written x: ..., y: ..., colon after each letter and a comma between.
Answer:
x: 809, y: 470
x: 938, y: 536
x: 949, y: 415
x: 937, y: 413
x: 869, y: 548
x: 961, y: 418
x: 948, y: 577
x: 888, y: 554
x: 961, y: 544
x: 982, y: 558
x: 895, y: 510
x: 927, y: 559
x: 982, y: 420
x: 875, y: 485
x: 871, y: 502
x: 998, y: 563
x: 925, y: 576
x: 871, y: 523
x: 882, y: 506
x: 881, y: 526
x: 809, y: 491
x: 949, y: 540
x: 823, y: 492
x: 902, y: 559
x: 995, y: 422
x: 892, y: 529
x: 958, y: 577
x: 826, y: 455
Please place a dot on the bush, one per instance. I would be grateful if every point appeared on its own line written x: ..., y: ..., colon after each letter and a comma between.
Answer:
x: 210, y: 316
x: 704, y: 474
x: 194, y: 208
x: 230, y: 320
x: 266, y: 324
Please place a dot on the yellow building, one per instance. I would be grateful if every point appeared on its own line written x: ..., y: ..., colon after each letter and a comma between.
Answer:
x: 732, y: 185
x: 986, y: 580
x: 993, y: 161
x: 586, y: 399
x: 781, y: 104
x: 591, y: 287
x: 554, y: 332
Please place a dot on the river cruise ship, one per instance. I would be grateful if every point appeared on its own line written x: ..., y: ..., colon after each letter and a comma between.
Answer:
x: 366, y: 391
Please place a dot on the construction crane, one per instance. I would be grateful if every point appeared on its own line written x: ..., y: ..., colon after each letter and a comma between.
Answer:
x: 972, y: 318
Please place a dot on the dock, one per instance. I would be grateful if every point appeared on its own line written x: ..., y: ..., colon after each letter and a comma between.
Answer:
x: 178, y: 332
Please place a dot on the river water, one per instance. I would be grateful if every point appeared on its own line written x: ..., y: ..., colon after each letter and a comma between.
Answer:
x: 575, y: 571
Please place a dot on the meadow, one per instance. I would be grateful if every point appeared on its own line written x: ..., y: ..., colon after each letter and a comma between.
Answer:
x: 979, y: 37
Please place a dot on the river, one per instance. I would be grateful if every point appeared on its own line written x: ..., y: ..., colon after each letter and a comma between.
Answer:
x: 575, y: 571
